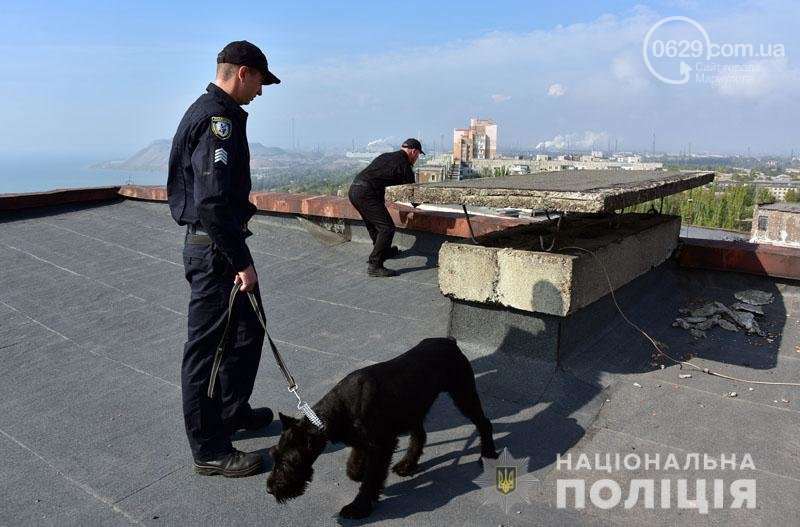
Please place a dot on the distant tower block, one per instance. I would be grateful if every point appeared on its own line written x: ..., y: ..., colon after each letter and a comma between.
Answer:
x: 479, y: 141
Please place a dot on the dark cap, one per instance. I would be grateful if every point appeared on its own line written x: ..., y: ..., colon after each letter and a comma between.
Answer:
x: 413, y: 143
x: 243, y: 53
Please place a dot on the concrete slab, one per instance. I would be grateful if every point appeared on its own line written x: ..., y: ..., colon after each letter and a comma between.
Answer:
x: 509, y: 271
x: 567, y: 190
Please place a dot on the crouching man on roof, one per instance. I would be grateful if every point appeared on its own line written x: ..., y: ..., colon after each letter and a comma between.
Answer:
x: 208, y: 188
x: 367, y: 196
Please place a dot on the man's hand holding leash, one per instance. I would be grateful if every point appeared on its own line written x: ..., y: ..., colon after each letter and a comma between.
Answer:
x: 247, y: 278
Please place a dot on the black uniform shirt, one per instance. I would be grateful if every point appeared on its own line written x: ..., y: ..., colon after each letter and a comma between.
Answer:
x: 209, y: 173
x: 391, y: 168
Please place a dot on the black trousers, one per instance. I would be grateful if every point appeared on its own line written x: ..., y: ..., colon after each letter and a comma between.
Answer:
x: 211, y: 278
x: 370, y: 204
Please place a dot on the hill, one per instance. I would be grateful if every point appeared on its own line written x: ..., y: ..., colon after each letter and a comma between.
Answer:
x: 155, y: 156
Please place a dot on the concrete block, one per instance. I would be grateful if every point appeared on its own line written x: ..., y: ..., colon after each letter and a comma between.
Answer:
x: 468, y: 272
x: 558, y: 283
x: 535, y: 281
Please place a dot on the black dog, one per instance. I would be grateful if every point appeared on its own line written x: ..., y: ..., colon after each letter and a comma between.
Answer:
x: 367, y: 410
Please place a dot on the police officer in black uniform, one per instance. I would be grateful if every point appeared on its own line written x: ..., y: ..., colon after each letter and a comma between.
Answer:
x: 208, y: 188
x: 367, y: 196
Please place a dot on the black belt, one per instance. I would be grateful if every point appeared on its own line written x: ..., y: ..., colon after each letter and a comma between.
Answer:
x: 198, y: 239
x: 197, y: 236
x: 194, y: 229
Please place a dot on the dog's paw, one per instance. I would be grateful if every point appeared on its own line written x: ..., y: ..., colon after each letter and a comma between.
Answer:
x: 404, y: 468
x: 356, y: 510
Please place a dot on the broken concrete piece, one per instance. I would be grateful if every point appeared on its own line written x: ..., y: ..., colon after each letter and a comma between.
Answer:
x: 731, y: 394
x: 696, y: 333
x: 684, y: 375
x: 742, y: 306
x: 681, y: 323
x: 695, y: 320
x: 744, y: 319
x: 730, y: 326
x: 637, y: 385
x: 722, y: 308
x: 756, y: 329
x: 708, y: 324
x: 706, y: 311
x: 754, y: 297
x: 710, y: 309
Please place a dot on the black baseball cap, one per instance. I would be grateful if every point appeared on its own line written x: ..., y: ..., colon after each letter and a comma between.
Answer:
x: 243, y: 53
x: 413, y: 143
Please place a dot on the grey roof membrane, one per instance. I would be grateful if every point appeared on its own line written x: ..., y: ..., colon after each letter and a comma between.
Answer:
x: 565, y: 190
x: 92, y: 311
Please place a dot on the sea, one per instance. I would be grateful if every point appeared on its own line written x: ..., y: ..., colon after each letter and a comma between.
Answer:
x: 43, y: 173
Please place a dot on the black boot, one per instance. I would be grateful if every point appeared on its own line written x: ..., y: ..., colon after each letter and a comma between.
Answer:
x: 235, y: 464
x: 380, y: 270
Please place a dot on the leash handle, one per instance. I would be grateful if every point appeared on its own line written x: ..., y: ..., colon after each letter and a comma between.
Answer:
x: 221, y: 346
x: 292, y: 385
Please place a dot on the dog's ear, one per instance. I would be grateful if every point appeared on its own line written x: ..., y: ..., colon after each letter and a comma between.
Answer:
x: 287, y: 421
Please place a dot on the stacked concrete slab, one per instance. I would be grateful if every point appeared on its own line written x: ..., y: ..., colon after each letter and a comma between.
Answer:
x: 505, y: 270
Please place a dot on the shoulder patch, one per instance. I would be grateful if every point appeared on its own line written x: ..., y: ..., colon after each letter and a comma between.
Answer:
x: 221, y: 127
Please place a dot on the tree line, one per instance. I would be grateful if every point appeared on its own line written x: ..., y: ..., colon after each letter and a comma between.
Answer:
x: 709, y: 206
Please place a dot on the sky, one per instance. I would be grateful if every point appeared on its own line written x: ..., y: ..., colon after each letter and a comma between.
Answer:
x: 107, y: 78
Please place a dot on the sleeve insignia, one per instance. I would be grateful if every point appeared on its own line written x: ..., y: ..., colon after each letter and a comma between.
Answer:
x: 221, y: 156
x: 221, y: 127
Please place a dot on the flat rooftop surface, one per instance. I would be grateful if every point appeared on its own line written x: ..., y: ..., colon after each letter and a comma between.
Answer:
x: 93, y: 303
x: 566, y: 190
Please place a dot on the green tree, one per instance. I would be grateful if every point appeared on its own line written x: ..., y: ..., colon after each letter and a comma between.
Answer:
x: 710, y: 206
x: 765, y: 196
x: 791, y: 196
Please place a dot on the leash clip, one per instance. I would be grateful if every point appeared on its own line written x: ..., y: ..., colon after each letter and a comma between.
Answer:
x: 307, y: 410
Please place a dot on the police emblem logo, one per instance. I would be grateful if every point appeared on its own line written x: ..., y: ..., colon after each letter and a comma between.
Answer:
x: 221, y: 127
x: 506, y: 479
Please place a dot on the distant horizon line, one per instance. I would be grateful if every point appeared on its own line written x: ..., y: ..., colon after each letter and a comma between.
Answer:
x: 99, y: 156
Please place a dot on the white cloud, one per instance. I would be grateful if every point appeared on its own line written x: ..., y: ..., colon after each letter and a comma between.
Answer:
x: 597, y: 64
x: 585, y: 141
x: 556, y: 90
x: 760, y: 79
